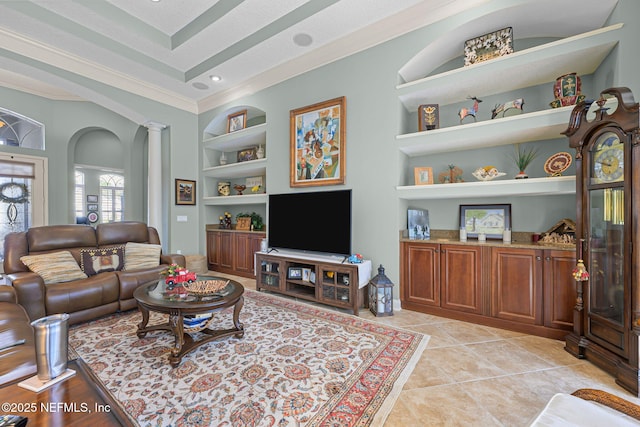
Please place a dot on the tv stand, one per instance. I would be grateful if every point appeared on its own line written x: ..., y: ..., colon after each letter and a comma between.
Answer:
x: 317, y: 279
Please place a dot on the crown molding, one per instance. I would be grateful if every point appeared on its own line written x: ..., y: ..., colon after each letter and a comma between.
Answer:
x: 64, y: 60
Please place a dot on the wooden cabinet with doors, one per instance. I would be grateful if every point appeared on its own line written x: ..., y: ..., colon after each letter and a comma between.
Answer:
x: 606, y: 136
x: 232, y: 252
x: 527, y: 288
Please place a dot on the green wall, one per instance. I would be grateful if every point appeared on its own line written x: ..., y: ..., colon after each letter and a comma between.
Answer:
x: 374, y: 118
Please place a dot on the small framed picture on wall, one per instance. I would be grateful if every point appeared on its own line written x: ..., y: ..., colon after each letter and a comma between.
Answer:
x: 92, y: 198
x: 185, y: 192
x: 92, y: 207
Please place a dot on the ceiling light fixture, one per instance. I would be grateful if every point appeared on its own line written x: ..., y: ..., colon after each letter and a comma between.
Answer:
x: 215, y: 78
x: 199, y: 85
x: 302, y: 39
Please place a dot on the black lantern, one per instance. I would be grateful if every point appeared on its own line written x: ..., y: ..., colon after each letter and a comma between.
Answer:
x: 381, y: 294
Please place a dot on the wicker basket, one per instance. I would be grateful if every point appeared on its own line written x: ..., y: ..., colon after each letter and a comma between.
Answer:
x: 206, y: 287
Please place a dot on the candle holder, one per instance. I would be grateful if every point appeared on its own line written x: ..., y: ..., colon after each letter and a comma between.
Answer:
x: 381, y: 294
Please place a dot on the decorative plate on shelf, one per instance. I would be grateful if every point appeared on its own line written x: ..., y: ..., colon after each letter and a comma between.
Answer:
x: 558, y: 163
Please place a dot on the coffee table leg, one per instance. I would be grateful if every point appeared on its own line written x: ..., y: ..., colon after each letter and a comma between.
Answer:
x: 236, y: 317
x: 145, y: 320
x: 177, y: 327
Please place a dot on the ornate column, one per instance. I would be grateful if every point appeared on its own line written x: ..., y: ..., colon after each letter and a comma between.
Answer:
x: 154, y: 179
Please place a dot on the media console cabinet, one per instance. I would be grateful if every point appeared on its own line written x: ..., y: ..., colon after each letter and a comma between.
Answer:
x: 319, y: 279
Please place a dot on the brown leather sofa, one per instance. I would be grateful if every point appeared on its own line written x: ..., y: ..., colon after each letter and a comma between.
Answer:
x: 84, y: 299
x: 16, y: 361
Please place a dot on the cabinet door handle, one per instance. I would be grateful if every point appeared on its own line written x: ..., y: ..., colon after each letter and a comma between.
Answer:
x: 548, y: 258
x: 538, y: 258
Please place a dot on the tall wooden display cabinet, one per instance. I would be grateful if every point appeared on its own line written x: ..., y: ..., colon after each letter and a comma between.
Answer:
x: 607, y: 312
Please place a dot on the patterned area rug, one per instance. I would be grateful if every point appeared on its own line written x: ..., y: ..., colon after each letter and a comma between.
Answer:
x: 297, y: 365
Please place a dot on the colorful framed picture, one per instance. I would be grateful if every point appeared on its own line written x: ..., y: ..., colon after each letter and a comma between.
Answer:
x: 92, y: 207
x: 247, y: 155
x: 185, y: 192
x: 236, y: 121
x: 318, y: 144
x: 294, y: 273
x: 423, y: 175
x: 491, y: 220
x: 488, y: 46
x: 428, y: 117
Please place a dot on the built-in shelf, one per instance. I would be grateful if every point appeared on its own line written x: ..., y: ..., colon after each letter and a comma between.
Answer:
x: 548, y: 186
x: 238, y: 170
x: 251, y: 136
x: 536, y: 126
x: 581, y: 54
x: 245, y: 199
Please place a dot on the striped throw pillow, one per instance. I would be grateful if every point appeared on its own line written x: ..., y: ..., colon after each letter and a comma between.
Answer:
x: 141, y: 255
x: 56, y: 267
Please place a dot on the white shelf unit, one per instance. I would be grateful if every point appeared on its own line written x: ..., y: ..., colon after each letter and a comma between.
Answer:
x: 237, y: 170
x: 581, y: 54
x: 497, y: 188
x: 254, y: 135
x: 535, y: 126
x: 216, y: 141
x: 542, y: 64
x: 245, y: 199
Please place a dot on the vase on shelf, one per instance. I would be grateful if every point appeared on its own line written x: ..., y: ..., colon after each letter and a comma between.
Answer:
x: 260, y: 152
x: 223, y: 159
x: 566, y: 90
x: 521, y: 175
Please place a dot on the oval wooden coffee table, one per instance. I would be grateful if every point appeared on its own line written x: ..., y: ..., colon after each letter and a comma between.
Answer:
x: 155, y: 297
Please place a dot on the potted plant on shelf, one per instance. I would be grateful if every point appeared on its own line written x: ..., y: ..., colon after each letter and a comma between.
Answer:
x: 523, y: 158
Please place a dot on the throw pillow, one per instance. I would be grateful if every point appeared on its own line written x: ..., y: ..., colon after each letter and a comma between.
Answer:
x: 141, y: 255
x: 55, y: 267
x: 94, y: 261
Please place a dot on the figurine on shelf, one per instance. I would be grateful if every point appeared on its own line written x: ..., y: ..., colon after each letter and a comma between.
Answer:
x: 464, y: 112
x: 239, y: 188
x: 225, y: 221
x: 454, y: 174
x: 501, y: 109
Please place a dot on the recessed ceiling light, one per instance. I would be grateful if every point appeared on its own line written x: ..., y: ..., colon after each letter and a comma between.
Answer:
x: 199, y: 85
x: 302, y: 39
x: 215, y: 78
x: 156, y: 1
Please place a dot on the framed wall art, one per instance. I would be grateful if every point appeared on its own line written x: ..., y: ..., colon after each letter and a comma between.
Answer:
x: 428, y: 117
x: 92, y: 198
x: 491, y: 220
x: 318, y: 144
x: 423, y: 175
x: 247, y: 154
x: 418, y: 224
x: 185, y: 192
x: 488, y: 46
x: 92, y: 207
x: 236, y: 121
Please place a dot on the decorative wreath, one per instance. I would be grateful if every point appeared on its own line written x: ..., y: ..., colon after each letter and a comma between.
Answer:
x: 21, y: 198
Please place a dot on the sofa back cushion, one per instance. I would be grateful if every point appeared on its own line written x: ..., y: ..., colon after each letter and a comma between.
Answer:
x: 57, y: 237
x: 141, y: 255
x: 54, y: 267
x: 99, y: 260
x: 114, y: 233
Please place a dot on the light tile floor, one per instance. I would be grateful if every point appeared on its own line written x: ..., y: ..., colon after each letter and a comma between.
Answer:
x: 472, y: 375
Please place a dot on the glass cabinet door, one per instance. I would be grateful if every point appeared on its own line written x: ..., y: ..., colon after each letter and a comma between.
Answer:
x: 606, y: 239
x: 606, y: 261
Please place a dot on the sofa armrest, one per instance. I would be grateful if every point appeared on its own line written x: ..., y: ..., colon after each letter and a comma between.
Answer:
x: 8, y: 294
x: 173, y: 259
x: 30, y: 290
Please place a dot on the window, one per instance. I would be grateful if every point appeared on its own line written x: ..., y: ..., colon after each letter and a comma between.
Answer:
x: 20, y: 131
x: 79, y: 195
x: 111, y: 197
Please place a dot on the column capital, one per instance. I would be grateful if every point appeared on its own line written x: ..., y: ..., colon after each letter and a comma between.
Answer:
x: 154, y: 125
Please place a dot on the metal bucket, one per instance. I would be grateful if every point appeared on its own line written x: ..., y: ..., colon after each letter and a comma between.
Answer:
x: 51, y: 340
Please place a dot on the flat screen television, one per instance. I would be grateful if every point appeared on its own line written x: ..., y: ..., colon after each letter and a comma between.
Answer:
x: 311, y: 221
